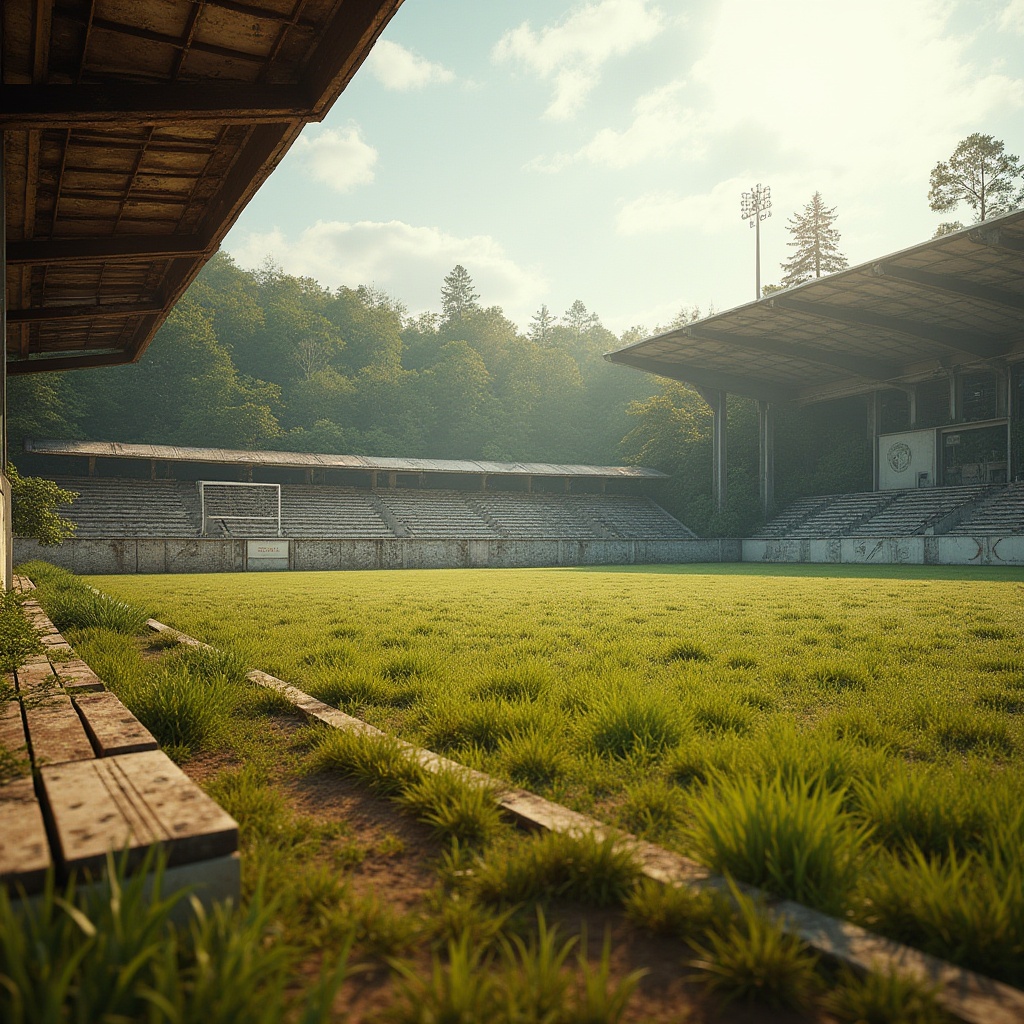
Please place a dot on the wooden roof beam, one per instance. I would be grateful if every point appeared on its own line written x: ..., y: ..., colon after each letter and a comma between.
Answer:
x: 125, y: 104
x: 952, y: 285
x: 75, y: 362
x: 975, y: 345
x: 37, y: 252
x: 863, y: 366
x: 703, y: 377
x: 97, y: 311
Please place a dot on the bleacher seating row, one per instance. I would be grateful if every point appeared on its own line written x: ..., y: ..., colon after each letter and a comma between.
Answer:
x: 981, y: 510
x: 167, y: 508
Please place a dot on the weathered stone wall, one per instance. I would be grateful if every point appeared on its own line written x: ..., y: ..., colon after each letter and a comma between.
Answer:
x: 890, y: 550
x: 155, y: 555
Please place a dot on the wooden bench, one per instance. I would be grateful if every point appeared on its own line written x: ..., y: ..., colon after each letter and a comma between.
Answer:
x: 85, y: 778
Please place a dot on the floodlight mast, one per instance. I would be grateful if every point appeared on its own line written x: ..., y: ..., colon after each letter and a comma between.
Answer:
x: 756, y: 206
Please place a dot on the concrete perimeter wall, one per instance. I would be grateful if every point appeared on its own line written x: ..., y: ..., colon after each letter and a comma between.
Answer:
x: 156, y: 555
x: 890, y: 550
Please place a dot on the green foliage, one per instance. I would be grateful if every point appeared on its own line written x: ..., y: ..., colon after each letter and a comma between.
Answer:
x: 883, y: 997
x: 113, y: 953
x: 34, y: 508
x: 675, y: 911
x: 979, y: 173
x: 73, y: 604
x: 790, y: 837
x: 18, y: 639
x: 628, y: 723
x: 454, y: 807
x: 382, y: 763
x: 554, y: 865
x: 754, y: 960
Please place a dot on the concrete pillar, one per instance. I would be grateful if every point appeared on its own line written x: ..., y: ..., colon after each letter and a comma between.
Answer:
x: 874, y: 429
x: 483, y: 481
x: 392, y: 480
x: 912, y: 405
x: 92, y: 465
x: 719, y: 455
x: 529, y: 485
x: 956, y: 395
x: 766, y: 455
x: 6, y: 527
x: 1011, y: 413
x: 373, y: 479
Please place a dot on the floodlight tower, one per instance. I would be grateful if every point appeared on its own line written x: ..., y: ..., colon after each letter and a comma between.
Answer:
x: 756, y: 206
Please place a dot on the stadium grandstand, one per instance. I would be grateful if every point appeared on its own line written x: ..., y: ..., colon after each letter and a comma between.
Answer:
x: 931, y: 339
x: 276, y: 510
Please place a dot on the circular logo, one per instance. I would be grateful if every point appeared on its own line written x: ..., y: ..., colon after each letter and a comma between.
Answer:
x: 899, y: 456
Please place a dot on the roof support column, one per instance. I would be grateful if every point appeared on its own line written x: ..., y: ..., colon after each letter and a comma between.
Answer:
x: 874, y: 429
x: 912, y: 404
x: 7, y: 540
x: 1011, y: 414
x: 719, y: 461
x: 766, y: 455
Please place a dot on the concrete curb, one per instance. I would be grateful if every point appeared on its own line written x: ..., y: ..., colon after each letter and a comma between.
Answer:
x: 968, y: 996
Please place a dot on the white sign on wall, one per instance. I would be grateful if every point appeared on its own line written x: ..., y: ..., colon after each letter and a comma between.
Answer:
x: 903, y: 457
x: 267, y: 554
x: 268, y: 549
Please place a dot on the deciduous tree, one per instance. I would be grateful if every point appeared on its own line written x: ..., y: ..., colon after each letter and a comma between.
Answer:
x: 981, y: 174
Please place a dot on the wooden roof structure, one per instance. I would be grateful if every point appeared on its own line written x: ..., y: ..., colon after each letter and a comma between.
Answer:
x: 954, y: 302
x: 311, y: 460
x: 135, y: 132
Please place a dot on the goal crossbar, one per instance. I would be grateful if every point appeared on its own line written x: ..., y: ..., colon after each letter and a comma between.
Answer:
x: 207, y: 515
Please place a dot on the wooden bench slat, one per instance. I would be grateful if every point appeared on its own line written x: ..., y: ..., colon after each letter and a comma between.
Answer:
x: 12, y: 731
x: 56, y: 731
x: 112, y: 728
x: 76, y: 676
x: 24, y: 850
x: 131, y: 802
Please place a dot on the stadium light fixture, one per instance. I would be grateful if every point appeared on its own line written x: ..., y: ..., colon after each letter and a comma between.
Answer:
x: 756, y: 206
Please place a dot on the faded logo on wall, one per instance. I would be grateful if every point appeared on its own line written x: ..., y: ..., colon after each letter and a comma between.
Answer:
x: 899, y: 456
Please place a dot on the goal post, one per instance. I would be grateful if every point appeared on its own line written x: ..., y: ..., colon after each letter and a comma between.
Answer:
x: 232, y: 501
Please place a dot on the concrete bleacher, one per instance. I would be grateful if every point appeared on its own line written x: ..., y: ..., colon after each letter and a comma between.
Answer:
x: 132, y: 508
x: 904, y: 513
x: 112, y: 507
x: 917, y: 511
x: 1002, y: 514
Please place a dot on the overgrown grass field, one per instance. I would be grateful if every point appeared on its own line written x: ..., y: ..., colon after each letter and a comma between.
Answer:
x: 855, y: 742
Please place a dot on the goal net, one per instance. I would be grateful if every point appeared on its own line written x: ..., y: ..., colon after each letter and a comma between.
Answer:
x: 240, y: 509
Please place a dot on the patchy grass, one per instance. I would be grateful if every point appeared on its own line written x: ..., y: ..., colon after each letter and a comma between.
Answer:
x: 639, y: 695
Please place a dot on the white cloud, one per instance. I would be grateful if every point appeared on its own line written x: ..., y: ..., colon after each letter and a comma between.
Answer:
x: 659, y: 212
x: 404, y: 259
x: 1012, y: 18
x: 661, y: 124
x: 573, y: 51
x: 879, y: 87
x: 397, y: 68
x: 337, y: 157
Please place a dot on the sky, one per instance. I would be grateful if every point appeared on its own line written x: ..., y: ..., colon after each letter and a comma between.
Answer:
x: 598, y: 150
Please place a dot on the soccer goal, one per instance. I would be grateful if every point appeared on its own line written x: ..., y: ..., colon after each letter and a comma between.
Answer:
x: 227, y: 501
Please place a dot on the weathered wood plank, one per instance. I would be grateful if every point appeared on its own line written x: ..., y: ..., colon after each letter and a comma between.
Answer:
x: 112, y: 728
x: 24, y: 850
x: 76, y: 676
x: 131, y: 802
x: 54, y: 728
x: 12, y: 732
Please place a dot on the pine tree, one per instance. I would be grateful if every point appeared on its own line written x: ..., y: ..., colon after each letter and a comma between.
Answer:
x: 457, y: 295
x: 980, y: 174
x: 541, y: 326
x: 816, y: 242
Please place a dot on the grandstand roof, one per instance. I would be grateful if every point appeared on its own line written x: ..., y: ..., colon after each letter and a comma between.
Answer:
x: 956, y: 300
x: 309, y: 460
x: 135, y: 133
